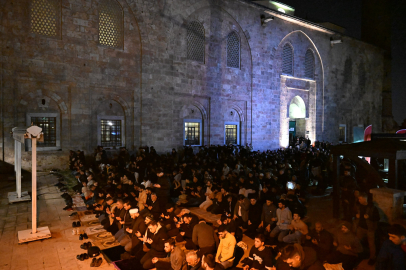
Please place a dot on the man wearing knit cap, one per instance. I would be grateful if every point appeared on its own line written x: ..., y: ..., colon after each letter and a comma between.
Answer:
x: 348, y: 247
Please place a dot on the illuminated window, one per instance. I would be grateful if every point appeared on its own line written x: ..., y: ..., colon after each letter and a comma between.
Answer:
x: 51, y: 129
x: 48, y: 125
x: 195, y: 41
x: 309, y: 64
x: 287, y: 59
x: 233, y: 50
x: 110, y: 132
x: 111, y: 24
x: 231, y: 134
x: 45, y: 17
x: 192, y: 132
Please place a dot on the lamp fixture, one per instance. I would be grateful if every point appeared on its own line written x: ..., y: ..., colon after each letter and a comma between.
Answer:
x: 265, y: 20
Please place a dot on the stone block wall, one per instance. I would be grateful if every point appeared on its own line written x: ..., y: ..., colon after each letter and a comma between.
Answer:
x: 152, y: 85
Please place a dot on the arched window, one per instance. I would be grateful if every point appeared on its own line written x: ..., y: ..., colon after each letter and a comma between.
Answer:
x: 233, y: 50
x: 309, y: 64
x: 45, y: 17
x: 111, y: 24
x: 287, y: 59
x: 195, y: 41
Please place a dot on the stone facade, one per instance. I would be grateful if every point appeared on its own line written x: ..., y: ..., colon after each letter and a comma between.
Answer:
x: 151, y: 85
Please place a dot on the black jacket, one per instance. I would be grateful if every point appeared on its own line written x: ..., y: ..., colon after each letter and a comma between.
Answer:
x: 157, y: 246
x: 164, y: 190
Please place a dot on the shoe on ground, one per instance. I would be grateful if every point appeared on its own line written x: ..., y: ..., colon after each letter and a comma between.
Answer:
x: 74, y: 232
x: 93, y: 263
x: 85, y: 236
x: 81, y: 237
x: 99, y: 262
x: 78, y: 224
x: 73, y: 224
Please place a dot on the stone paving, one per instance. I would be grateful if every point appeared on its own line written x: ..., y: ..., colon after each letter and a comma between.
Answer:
x: 59, y: 252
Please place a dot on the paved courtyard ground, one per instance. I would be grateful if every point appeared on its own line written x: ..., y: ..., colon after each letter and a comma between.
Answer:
x: 59, y: 252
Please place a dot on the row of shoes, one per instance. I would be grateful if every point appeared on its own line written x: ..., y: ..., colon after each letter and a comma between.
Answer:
x: 76, y: 224
x: 96, y: 262
x: 83, y: 236
x: 86, y: 245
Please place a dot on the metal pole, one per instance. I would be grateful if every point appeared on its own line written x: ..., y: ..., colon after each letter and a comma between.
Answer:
x: 34, y: 185
x: 18, y: 172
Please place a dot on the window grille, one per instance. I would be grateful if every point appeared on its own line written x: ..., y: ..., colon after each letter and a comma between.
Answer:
x: 195, y: 41
x: 44, y: 17
x: 111, y: 24
x: 309, y: 64
x: 287, y: 60
x: 110, y: 132
x: 233, y: 50
x: 192, y: 133
x: 48, y: 125
x: 231, y: 134
x: 361, y: 76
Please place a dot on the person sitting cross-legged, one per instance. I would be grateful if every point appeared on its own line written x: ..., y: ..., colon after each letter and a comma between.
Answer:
x: 283, y: 218
x: 225, y: 251
x: 175, y: 260
x: 260, y: 257
x: 348, y: 248
x: 157, y: 244
x: 298, y: 229
x: 320, y: 240
x: 186, y: 231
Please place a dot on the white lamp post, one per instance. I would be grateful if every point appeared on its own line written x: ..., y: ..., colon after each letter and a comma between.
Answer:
x: 34, y: 133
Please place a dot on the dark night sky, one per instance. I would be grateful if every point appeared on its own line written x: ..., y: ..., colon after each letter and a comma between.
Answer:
x: 348, y: 14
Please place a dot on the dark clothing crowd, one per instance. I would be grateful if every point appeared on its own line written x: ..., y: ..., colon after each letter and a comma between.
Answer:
x: 144, y: 200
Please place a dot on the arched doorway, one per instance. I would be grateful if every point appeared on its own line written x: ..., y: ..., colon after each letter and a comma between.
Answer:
x: 297, y: 119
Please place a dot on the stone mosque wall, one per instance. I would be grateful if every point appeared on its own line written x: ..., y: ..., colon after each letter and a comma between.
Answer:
x: 154, y: 65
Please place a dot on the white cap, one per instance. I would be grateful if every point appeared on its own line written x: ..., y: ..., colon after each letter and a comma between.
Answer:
x: 134, y: 211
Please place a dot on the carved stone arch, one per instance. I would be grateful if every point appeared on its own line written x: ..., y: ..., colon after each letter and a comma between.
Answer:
x: 188, y: 111
x: 40, y: 94
x: 123, y: 104
x: 239, y: 111
x: 201, y: 108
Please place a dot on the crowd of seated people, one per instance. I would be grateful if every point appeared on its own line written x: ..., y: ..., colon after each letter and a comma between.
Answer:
x: 144, y: 200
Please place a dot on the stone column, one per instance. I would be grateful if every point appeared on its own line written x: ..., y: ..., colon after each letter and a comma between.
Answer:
x: 389, y: 203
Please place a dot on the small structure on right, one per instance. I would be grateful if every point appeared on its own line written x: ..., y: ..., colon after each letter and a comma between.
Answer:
x: 387, y: 197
